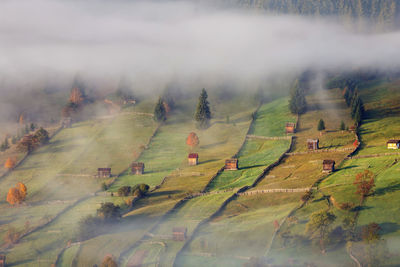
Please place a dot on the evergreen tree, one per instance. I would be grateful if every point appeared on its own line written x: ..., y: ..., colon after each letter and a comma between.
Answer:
x: 14, y: 140
x: 297, y: 102
x: 358, y: 117
x: 203, y: 113
x: 160, y: 114
x: 33, y: 127
x: 342, y: 126
x: 6, y: 144
x: 321, y: 125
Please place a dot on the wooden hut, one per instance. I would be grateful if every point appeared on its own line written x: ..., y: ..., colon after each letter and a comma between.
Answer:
x: 193, y: 159
x: 393, y: 144
x: 137, y: 168
x: 179, y: 233
x: 313, y: 144
x: 290, y: 127
x: 328, y: 165
x: 104, y: 172
x: 231, y: 164
x: 2, y: 260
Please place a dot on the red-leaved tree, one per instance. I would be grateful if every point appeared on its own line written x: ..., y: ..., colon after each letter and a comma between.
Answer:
x: 364, y: 182
x: 192, y: 140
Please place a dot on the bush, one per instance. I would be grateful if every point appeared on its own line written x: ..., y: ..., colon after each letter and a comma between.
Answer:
x: 109, y: 211
x: 347, y: 206
x: 124, y: 191
x: 307, y: 196
x: 90, y: 227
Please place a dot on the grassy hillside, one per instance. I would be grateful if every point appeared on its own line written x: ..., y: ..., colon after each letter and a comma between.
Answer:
x: 380, y: 123
x: 246, y: 227
x: 60, y: 174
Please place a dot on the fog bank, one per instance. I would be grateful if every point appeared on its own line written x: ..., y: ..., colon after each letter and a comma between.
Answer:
x: 153, y: 42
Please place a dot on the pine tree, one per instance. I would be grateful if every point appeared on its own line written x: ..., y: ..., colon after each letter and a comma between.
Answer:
x: 203, y: 113
x: 321, y: 125
x: 342, y: 126
x: 160, y: 114
x: 297, y: 102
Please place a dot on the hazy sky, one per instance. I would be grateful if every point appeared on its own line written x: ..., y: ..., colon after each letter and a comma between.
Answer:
x: 154, y: 41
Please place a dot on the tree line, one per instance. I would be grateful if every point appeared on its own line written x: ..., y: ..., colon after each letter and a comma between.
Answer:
x: 383, y: 13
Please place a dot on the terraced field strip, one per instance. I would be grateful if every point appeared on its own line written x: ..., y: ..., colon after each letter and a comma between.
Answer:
x: 160, y: 231
x: 92, y: 144
x: 253, y: 153
x: 309, y: 165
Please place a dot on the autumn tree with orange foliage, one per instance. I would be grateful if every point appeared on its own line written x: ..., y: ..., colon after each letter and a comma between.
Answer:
x: 76, y: 96
x: 364, y: 182
x: 166, y: 107
x: 10, y: 163
x: 17, y: 194
x: 21, y: 119
x: 22, y: 189
x: 192, y: 140
x: 355, y: 144
x: 109, y: 261
x: 14, y: 196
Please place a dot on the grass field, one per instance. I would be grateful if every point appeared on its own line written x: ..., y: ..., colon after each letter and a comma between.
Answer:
x: 61, y: 173
x: 166, y: 156
x: 62, y: 188
x: 379, y: 125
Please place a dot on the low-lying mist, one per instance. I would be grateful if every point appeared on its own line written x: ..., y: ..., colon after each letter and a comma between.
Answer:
x: 46, y: 43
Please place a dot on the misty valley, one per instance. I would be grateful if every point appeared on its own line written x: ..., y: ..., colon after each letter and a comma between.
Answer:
x: 222, y: 133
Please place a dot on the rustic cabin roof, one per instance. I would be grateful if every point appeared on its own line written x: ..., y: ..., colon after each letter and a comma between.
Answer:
x: 312, y: 140
x: 231, y: 160
x: 193, y: 156
x: 182, y: 230
x: 290, y: 124
x: 393, y: 141
x: 328, y: 161
x: 103, y: 169
x: 137, y: 164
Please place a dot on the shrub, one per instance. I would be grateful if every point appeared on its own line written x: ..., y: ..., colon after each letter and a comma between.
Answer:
x: 124, y: 191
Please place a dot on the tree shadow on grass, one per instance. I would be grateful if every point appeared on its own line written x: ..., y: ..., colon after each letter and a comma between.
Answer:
x: 348, y: 167
x: 250, y: 167
x: 388, y: 189
x: 361, y: 208
x: 389, y: 227
x: 163, y: 193
x: 207, y: 161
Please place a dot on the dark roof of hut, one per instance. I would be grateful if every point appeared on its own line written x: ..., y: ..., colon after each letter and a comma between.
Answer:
x: 393, y: 141
x: 193, y: 156
x: 104, y: 169
x: 328, y: 161
x: 137, y: 164
x: 179, y: 230
x: 231, y: 160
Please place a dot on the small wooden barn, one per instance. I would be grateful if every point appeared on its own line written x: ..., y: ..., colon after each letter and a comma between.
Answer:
x: 193, y: 159
x: 231, y: 164
x: 2, y: 260
x: 104, y: 172
x: 137, y: 168
x: 313, y: 144
x: 393, y: 144
x: 328, y: 165
x: 179, y: 233
x: 290, y: 127
x: 66, y: 122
